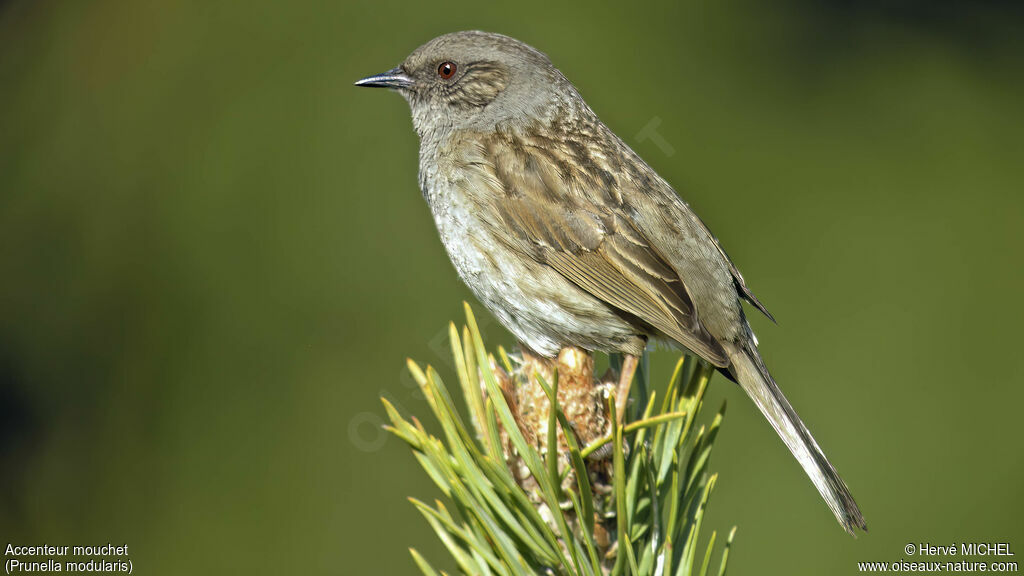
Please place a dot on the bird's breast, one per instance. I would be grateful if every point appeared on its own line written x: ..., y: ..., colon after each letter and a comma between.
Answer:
x: 541, y: 307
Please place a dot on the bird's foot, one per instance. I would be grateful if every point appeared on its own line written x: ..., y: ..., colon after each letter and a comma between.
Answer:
x: 629, y: 365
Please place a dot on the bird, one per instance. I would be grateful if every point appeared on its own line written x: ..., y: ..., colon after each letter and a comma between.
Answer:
x: 569, y: 238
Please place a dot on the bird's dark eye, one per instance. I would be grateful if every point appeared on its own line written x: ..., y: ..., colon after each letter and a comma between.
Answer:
x: 446, y: 70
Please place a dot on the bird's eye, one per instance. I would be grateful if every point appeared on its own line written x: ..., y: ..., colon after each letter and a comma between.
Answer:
x: 446, y: 70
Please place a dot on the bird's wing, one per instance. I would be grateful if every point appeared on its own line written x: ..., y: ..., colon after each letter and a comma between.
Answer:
x: 741, y: 284
x: 546, y: 216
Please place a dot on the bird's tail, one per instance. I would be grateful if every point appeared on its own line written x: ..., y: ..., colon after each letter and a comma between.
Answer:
x: 753, y: 376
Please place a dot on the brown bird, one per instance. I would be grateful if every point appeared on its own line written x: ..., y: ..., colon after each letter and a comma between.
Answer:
x: 568, y: 237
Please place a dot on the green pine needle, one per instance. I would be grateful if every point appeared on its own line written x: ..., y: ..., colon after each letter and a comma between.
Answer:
x: 660, y: 484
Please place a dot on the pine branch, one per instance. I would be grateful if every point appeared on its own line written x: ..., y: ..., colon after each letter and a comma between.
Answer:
x: 521, y: 508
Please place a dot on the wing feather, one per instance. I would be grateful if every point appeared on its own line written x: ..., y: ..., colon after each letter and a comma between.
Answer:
x: 545, y: 213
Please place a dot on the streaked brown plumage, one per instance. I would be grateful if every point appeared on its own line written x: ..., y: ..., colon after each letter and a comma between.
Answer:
x: 567, y: 236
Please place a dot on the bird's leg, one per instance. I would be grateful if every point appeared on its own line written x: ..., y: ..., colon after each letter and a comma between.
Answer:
x: 629, y: 364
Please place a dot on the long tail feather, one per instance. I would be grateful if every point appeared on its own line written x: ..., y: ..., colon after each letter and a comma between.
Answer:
x: 755, y: 380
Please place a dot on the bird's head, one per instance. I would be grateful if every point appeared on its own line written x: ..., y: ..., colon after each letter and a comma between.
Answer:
x: 476, y: 81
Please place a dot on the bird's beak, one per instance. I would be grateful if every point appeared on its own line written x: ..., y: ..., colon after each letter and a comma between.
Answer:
x: 394, y: 78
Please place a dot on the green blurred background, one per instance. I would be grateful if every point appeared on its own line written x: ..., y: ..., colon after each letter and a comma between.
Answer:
x: 214, y: 259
